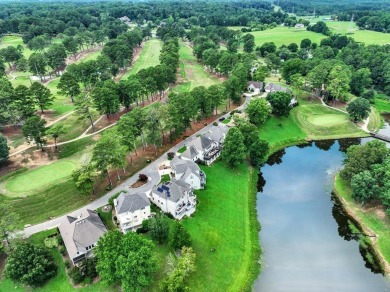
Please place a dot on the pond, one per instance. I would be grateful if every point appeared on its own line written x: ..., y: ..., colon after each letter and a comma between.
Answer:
x: 307, y: 244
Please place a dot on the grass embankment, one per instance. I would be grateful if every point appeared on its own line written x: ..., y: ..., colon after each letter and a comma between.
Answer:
x: 308, y: 121
x: 373, y: 220
x: 192, y: 73
x: 149, y: 57
x: 224, y: 230
x: 60, y: 282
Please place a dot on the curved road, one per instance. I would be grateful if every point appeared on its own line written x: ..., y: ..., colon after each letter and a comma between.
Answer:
x: 151, y: 170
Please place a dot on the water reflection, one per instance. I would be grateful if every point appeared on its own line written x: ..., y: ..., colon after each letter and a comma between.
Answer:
x: 324, y: 145
x: 305, y: 237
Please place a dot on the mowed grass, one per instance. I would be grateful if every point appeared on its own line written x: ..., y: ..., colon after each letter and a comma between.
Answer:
x: 62, y: 104
x: 282, y: 35
x: 220, y: 230
x: 149, y: 57
x: 90, y: 56
x: 382, y: 106
x: 14, y: 41
x: 192, y: 72
x: 368, y: 37
x: 379, y: 224
x: 37, y: 178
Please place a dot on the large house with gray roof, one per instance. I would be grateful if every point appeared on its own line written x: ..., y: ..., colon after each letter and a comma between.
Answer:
x: 81, y: 234
x: 189, y: 172
x: 203, y: 149
x: 131, y: 210
x: 175, y: 197
x: 272, y: 87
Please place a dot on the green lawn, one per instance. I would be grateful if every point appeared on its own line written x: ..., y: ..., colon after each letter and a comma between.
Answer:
x: 381, y: 226
x: 192, y: 72
x: 382, y: 106
x: 365, y: 36
x: 282, y: 35
x: 221, y: 230
x: 14, y: 40
x: 90, y: 56
x: 149, y: 57
x: 25, y: 183
x: 62, y: 104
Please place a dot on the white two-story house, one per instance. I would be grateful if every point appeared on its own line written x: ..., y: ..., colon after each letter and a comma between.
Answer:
x: 202, y: 149
x: 131, y: 210
x: 189, y: 172
x: 175, y: 197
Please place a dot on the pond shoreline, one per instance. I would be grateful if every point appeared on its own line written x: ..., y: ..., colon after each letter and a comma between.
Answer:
x: 367, y: 231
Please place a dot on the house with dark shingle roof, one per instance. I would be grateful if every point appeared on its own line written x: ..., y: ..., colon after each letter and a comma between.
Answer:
x: 81, y: 234
x: 131, y: 210
x: 189, y: 172
x: 175, y: 197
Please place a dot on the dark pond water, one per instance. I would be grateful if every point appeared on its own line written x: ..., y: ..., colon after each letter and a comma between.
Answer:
x: 307, y: 245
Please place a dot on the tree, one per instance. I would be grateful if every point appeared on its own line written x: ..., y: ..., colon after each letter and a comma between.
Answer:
x: 201, y: 97
x: 233, y: 89
x: 127, y: 259
x: 305, y: 44
x: 56, y: 131
x: 291, y: 67
x: 364, y: 187
x: 215, y: 95
x: 30, y: 264
x: 339, y: 82
x: 23, y: 102
x: 56, y: 57
x: 273, y: 62
x: 361, y: 79
x: 109, y: 152
x: 234, y: 150
x: 293, y: 47
x: 84, y: 177
x: 280, y: 103
x: 106, y: 98
x: 4, y: 150
x: 153, y: 125
x: 258, y: 111
x: 258, y: 151
x: 249, y: 43
x: 69, y: 85
x: 159, y: 229
x: 9, y: 221
x: 37, y: 64
x: 297, y: 84
x: 266, y: 48
x: 83, y: 105
x: 359, y: 109
x: 248, y: 130
x: 34, y: 129
x: 42, y: 95
x: 179, y: 272
x: 178, y: 236
x: 361, y: 157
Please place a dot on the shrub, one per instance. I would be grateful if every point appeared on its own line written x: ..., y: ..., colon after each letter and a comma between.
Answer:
x: 76, y: 275
x: 178, y: 236
x: 142, y: 177
x: 51, y: 242
x: 171, y: 155
x: 67, y: 264
x: 215, y: 124
x: 62, y: 250
x: 111, y: 199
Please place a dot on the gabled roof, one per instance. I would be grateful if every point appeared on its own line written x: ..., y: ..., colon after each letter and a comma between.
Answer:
x: 188, y: 173
x: 131, y: 203
x: 190, y: 153
x: 276, y: 87
x: 258, y: 85
x: 217, y: 133
x: 181, y: 165
x: 80, y: 233
x: 173, y: 190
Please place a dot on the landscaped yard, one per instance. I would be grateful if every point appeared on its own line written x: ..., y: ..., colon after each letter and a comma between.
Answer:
x: 149, y: 57
x: 221, y: 231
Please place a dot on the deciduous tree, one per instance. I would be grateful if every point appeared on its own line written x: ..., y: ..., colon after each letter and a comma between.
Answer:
x: 34, y: 129
x: 258, y: 110
x: 359, y: 109
x: 234, y: 150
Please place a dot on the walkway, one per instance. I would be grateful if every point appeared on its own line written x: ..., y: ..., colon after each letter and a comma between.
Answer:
x: 151, y: 170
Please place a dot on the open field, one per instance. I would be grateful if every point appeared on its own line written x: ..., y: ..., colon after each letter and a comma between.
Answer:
x: 220, y: 230
x: 308, y: 121
x: 382, y: 106
x: 149, y: 57
x: 365, y: 36
x: 283, y: 35
x: 42, y: 176
x: 14, y: 40
x: 371, y: 218
x: 192, y: 72
x: 89, y: 56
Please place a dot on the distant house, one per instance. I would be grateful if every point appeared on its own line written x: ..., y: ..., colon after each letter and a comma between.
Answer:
x: 189, y: 172
x: 299, y: 25
x: 255, y: 87
x: 271, y: 87
x: 175, y: 197
x: 80, y: 235
x: 124, y: 19
x: 131, y: 210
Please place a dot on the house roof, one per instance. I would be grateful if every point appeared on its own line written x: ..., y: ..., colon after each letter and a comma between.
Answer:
x: 173, y: 190
x: 217, y: 133
x: 130, y: 203
x: 258, y: 85
x: 190, y: 153
x: 79, y: 233
x: 188, y: 173
x: 181, y: 165
x: 276, y: 87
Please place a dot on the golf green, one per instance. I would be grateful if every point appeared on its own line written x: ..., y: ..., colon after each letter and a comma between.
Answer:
x: 327, y: 120
x: 39, y: 177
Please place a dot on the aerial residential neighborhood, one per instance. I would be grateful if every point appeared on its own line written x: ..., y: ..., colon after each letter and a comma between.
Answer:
x: 194, y: 145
